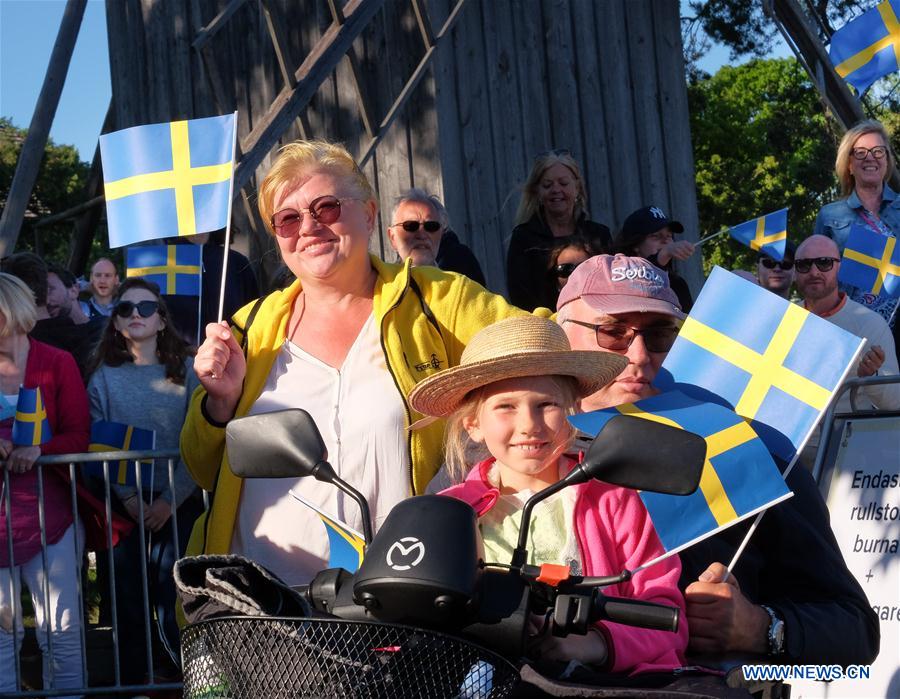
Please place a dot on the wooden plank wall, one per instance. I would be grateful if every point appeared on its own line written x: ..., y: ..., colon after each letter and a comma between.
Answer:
x: 604, y: 80
x: 515, y: 77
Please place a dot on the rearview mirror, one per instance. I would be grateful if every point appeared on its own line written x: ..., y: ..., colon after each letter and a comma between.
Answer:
x: 641, y: 454
x: 282, y: 444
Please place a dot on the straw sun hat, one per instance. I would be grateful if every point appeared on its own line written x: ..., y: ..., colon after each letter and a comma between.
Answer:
x: 520, y: 346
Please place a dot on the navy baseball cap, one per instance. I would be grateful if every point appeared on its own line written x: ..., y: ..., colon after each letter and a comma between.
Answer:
x: 649, y: 220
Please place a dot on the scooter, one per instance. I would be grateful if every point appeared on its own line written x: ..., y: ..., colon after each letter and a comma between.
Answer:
x: 424, y: 615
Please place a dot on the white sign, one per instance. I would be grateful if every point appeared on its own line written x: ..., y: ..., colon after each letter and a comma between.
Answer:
x: 864, y: 502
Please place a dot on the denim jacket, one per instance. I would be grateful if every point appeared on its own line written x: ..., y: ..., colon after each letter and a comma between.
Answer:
x: 835, y: 219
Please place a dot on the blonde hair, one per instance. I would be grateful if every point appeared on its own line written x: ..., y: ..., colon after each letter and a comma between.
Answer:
x: 301, y: 158
x: 16, y: 306
x: 530, y: 203
x: 460, y: 451
x: 842, y: 161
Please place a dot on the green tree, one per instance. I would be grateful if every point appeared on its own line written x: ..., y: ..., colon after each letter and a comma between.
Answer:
x: 59, y: 186
x: 762, y: 141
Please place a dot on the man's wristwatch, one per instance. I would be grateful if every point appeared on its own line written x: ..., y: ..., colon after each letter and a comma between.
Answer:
x: 776, y: 631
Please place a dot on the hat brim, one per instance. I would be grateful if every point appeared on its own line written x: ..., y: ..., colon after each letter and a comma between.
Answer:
x: 441, y: 394
x: 676, y: 227
x: 613, y: 304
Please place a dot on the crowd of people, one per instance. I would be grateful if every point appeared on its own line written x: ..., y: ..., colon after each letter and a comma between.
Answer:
x: 472, y: 392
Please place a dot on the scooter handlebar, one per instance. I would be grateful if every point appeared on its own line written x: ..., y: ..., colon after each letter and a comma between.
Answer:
x: 648, y: 615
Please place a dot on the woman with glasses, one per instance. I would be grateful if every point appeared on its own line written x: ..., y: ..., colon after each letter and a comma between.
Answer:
x: 143, y: 377
x: 864, y: 164
x: 420, y: 232
x: 347, y: 342
x: 553, y: 208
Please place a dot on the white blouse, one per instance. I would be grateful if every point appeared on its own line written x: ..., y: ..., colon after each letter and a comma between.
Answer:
x: 362, y: 419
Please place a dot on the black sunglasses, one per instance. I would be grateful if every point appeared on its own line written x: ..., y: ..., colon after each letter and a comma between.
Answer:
x: 823, y: 264
x: 618, y: 336
x: 565, y: 269
x: 769, y: 263
x: 325, y: 210
x: 413, y: 226
x: 125, y: 309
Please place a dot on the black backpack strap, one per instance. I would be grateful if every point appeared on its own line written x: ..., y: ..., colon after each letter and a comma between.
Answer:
x: 250, y: 318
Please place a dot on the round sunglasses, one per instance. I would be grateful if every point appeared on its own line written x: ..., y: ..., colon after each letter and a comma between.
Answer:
x: 769, y: 263
x: 324, y: 210
x: 413, y: 226
x: 125, y: 309
x: 823, y: 264
x: 618, y: 336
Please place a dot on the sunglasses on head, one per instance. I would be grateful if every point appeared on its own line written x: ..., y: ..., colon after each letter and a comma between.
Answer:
x: 413, y: 226
x: 823, y: 264
x: 565, y: 269
x: 769, y: 263
x: 324, y: 210
x: 125, y: 309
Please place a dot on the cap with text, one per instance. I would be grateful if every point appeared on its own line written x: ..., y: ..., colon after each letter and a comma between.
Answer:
x: 621, y: 284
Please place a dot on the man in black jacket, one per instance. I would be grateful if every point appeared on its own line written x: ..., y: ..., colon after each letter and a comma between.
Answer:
x: 790, y: 598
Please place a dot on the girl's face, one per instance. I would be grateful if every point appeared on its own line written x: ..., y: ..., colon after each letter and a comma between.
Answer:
x: 522, y: 422
x: 654, y: 242
x: 135, y: 327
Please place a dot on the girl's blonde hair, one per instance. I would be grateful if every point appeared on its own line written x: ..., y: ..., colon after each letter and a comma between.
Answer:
x: 842, y: 161
x: 16, y: 306
x: 460, y: 451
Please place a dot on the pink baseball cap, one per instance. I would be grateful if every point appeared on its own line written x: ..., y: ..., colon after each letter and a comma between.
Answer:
x: 621, y: 284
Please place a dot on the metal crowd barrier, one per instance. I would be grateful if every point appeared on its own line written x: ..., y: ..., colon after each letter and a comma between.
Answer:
x: 93, y: 685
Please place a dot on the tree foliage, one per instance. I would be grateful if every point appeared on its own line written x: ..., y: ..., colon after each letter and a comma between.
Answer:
x: 762, y: 141
x: 59, y: 186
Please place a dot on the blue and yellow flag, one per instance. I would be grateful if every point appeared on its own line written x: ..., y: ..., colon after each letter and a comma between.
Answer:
x: 868, y: 47
x: 767, y: 359
x: 30, y: 426
x: 739, y: 476
x: 871, y: 262
x: 767, y: 234
x: 166, y: 180
x: 116, y: 436
x: 346, y: 546
x: 174, y: 268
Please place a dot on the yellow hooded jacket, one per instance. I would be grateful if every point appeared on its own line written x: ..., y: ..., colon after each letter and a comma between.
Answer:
x: 426, y: 317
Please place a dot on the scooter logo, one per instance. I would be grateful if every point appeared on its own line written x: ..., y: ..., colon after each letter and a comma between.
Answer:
x: 410, y: 552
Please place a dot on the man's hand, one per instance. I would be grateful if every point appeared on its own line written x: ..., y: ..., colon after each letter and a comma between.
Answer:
x: 721, y: 619
x: 870, y: 362
x: 157, y: 514
x: 588, y: 649
x: 19, y: 459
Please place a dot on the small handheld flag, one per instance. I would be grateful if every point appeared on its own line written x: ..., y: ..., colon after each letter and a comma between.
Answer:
x: 30, y: 426
x: 174, y: 268
x: 767, y: 234
x: 116, y: 436
x: 166, y: 180
x: 346, y: 545
x: 769, y: 360
x: 868, y: 47
x: 871, y: 262
x: 739, y: 477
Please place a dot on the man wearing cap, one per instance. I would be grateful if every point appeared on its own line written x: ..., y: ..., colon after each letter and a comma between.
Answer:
x: 776, y: 276
x: 796, y: 601
x: 650, y: 233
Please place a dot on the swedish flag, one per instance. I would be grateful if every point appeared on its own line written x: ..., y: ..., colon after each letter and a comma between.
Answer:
x: 871, y: 262
x: 346, y: 546
x: 30, y: 426
x: 166, y: 180
x: 174, y: 268
x: 739, y: 476
x: 868, y: 47
x: 762, y: 356
x: 116, y: 436
x: 767, y: 234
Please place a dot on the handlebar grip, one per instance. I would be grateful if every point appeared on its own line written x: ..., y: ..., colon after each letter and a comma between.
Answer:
x: 648, y: 615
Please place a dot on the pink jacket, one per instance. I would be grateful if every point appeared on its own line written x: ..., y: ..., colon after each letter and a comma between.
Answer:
x: 614, y: 533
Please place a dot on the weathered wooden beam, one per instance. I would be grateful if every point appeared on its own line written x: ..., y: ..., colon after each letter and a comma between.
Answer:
x: 211, y: 29
x: 411, y: 84
x: 319, y: 64
x: 71, y: 212
x: 282, y: 50
x: 362, y: 97
x: 424, y: 22
x: 39, y: 130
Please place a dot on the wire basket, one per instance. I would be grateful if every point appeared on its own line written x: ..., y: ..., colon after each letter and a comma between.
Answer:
x: 267, y: 657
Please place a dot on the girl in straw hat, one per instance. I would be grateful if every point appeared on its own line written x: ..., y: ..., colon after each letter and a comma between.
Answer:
x: 509, y: 397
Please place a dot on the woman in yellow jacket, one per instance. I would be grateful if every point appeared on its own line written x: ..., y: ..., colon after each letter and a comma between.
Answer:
x: 346, y: 342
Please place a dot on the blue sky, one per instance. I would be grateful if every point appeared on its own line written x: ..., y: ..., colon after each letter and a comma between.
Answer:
x: 28, y: 29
